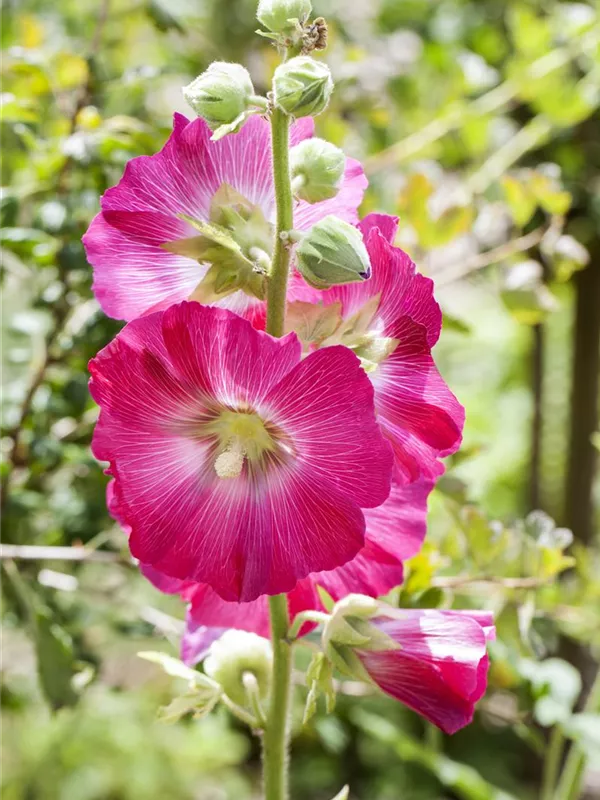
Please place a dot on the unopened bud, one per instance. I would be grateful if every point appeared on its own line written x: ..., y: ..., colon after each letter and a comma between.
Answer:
x: 237, y: 653
x: 302, y: 87
x: 280, y: 16
x: 333, y: 253
x: 317, y: 170
x: 222, y: 95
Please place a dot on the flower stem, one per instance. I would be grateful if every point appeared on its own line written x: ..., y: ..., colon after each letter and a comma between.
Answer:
x: 277, y: 283
x: 276, y: 735
x: 275, y: 740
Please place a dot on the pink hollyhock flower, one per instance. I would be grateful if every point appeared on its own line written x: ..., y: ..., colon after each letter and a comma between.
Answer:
x: 392, y: 322
x: 133, y: 272
x: 439, y: 667
x: 236, y: 463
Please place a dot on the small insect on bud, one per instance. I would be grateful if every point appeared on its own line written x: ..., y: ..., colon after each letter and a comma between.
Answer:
x: 302, y: 87
x: 280, y: 16
x: 222, y: 95
x: 317, y: 170
x: 235, y: 654
x: 332, y: 253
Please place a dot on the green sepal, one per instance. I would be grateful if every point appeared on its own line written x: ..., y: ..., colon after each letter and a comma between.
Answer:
x: 319, y: 679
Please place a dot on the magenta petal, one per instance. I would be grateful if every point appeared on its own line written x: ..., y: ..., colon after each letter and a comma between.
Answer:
x: 398, y: 526
x: 220, y: 353
x: 439, y: 669
x: 196, y: 641
x: 415, y: 407
x: 395, y: 532
x: 322, y: 404
x: 160, y: 380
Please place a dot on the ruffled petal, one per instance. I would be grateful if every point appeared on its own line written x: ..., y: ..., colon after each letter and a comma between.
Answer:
x: 414, y: 405
x: 395, y: 532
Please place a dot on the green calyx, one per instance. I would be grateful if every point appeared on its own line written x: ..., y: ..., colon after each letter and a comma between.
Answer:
x: 234, y: 655
x: 236, y: 243
x: 317, y: 170
x: 333, y: 253
x: 224, y: 97
x: 283, y: 16
x: 349, y: 630
x: 302, y: 87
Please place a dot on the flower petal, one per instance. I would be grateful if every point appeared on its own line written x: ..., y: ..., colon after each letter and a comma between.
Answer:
x: 439, y: 669
x: 325, y: 406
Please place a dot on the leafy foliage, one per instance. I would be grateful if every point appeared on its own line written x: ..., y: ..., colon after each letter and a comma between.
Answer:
x: 478, y: 126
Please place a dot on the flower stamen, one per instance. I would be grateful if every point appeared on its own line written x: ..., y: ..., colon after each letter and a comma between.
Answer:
x: 230, y: 462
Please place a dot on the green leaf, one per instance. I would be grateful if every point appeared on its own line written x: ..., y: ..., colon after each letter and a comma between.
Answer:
x: 520, y: 199
x: 464, y: 781
x: 585, y: 730
x: 197, y: 703
x: 319, y: 680
x: 174, y: 667
x: 55, y: 660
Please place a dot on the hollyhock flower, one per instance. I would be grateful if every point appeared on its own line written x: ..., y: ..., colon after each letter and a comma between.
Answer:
x: 144, y: 214
x: 439, y: 667
x: 236, y: 463
x: 435, y: 662
x: 392, y: 322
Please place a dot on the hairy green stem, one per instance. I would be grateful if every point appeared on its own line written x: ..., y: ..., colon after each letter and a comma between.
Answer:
x: 276, y: 735
x: 275, y: 740
x: 277, y: 283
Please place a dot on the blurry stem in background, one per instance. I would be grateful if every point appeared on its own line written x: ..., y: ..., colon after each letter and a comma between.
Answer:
x: 552, y: 761
x: 464, y: 267
x: 569, y: 785
x: 527, y: 138
x: 538, y: 356
x: 489, y: 102
x: 583, y: 455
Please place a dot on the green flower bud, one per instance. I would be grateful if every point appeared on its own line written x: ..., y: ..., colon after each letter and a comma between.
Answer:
x: 317, y: 169
x: 279, y: 16
x: 332, y: 253
x: 237, y: 653
x: 302, y: 87
x: 222, y: 95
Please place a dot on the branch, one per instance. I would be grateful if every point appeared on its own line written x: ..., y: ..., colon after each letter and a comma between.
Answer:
x: 462, y: 268
x: 29, y: 552
x: 468, y: 581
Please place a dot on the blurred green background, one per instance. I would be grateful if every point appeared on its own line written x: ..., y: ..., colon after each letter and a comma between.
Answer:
x: 478, y: 124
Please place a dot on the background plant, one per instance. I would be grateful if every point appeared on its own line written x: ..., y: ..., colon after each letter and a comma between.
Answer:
x: 478, y: 125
